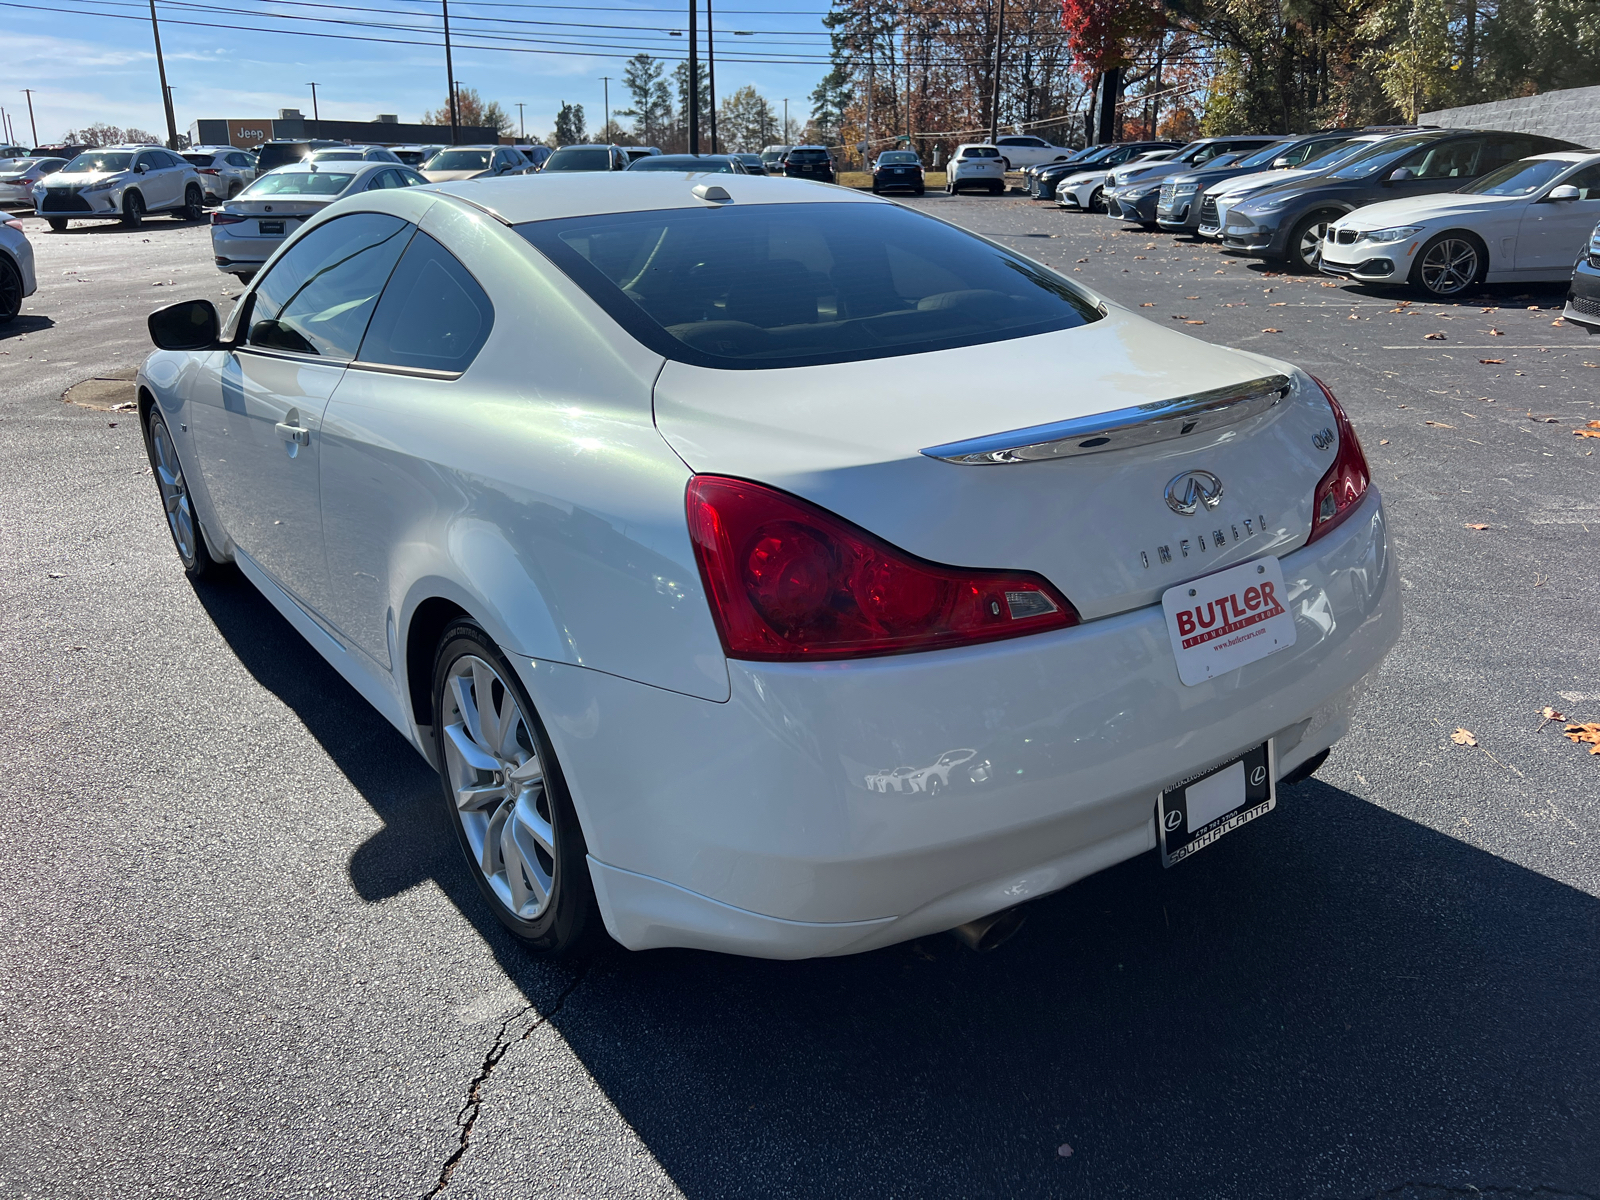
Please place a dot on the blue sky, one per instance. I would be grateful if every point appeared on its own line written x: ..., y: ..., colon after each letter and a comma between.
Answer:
x: 95, y: 64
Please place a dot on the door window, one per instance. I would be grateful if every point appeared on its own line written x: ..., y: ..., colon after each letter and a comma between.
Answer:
x: 433, y: 315
x: 318, y: 297
x: 1446, y: 160
x: 1587, y: 181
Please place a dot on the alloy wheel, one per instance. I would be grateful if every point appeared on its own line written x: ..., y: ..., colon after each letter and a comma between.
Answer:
x: 174, y: 492
x: 133, y: 210
x: 1449, y: 266
x: 1097, y: 200
x: 497, y: 781
x: 1309, y: 248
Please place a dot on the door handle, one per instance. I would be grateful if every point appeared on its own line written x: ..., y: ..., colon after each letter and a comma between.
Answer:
x: 293, y: 433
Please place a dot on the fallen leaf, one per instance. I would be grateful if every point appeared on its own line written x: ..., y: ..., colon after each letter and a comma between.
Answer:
x: 1491, y: 362
x: 1558, y: 321
x: 1543, y: 418
x: 1548, y: 714
x: 1194, y: 322
x: 1272, y: 331
x: 1278, y: 304
x: 1434, y: 337
x: 1191, y: 297
x: 1587, y: 732
x: 1594, y: 433
x: 1330, y: 285
x: 1138, y: 258
x: 1180, y: 316
x: 1083, y: 260
x: 1462, y: 737
x: 1474, y: 527
x: 1438, y: 424
x: 1148, y: 304
x: 1383, y: 442
x: 1496, y: 333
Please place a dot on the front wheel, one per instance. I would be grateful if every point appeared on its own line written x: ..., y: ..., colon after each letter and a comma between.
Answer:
x: 133, y: 210
x: 59, y: 224
x: 1449, y: 265
x: 506, y: 797
x: 1305, y: 240
x: 175, y: 499
x: 194, y: 204
x: 1097, y: 200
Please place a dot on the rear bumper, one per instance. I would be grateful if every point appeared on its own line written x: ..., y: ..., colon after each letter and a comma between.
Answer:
x: 833, y: 808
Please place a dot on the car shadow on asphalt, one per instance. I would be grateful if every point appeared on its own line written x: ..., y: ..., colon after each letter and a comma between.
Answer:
x: 25, y: 323
x: 1335, y: 1001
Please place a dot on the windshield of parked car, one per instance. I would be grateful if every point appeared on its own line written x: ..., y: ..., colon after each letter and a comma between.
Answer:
x: 1380, y: 155
x: 1519, y: 178
x: 682, y: 162
x: 1261, y: 157
x: 899, y: 158
x: 298, y: 183
x: 781, y: 285
x: 1343, y: 152
x: 458, y: 160
x: 98, y: 160
x: 592, y: 158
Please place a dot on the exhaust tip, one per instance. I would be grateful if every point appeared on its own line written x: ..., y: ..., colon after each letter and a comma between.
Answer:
x: 991, y: 932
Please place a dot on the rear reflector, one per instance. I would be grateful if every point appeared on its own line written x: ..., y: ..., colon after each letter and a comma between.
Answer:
x: 790, y: 582
x: 1341, y: 489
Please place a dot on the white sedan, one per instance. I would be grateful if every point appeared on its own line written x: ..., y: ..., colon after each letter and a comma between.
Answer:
x: 762, y: 526
x: 1083, y: 190
x: 1527, y: 222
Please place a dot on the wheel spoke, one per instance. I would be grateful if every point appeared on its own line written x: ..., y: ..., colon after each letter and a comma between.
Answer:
x: 487, y: 730
x: 524, y: 876
x: 471, y: 753
x: 476, y: 798
x: 461, y: 690
x: 526, y: 774
x: 530, y: 824
x: 490, y: 857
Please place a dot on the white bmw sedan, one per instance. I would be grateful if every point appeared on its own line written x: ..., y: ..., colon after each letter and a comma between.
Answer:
x: 762, y: 538
x: 1527, y: 222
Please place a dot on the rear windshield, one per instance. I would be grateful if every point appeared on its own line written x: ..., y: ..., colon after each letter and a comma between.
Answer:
x: 587, y: 159
x: 299, y: 183
x: 1519, y: 178
x: 787, y: 285
x: 459, y: 160
x: 276, y: 156
x: 808, y: 156
x: 899, y: 158
x: 980, y: 152
x: 199, y: 160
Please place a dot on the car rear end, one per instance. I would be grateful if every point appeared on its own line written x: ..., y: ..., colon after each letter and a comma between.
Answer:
x: 808, y: 163
x: 213, y: 172
x: 248, y: 230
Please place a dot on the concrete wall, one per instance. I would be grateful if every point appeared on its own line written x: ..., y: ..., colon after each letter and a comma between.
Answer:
x: 1572, y: 114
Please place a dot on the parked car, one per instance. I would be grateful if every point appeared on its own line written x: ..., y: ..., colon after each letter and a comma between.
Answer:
x: 898, y: 169
x: 1025, y: 150
x: 653, y: 619
x: 635, y: 153
x: 809, y: 162
x: 8, y: 152
x: 472, y: 162
x: 415, y: 156
x: 1223, y: 196
x: 224, y: 171
x: 248, y: 229
x: 772, y: 158
x: 280, y: 152
x: 1132, y: 190
x: 355, y: 154
x: 17, y: 278
x: 18, y: 175
x: 1287, y: 221
x: 586, y: 158
x: 120, y: 183
x: 1081, y: 184
x: 535, y: 155
x: 1179, y: 203
x: 752, y: 164
x: 1526, y: 222
x: 717, y: 164
x: 1583, y: 294
x: 975, y: 165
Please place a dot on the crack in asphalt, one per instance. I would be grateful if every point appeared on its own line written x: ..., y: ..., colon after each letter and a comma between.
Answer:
x: 473, y: 1107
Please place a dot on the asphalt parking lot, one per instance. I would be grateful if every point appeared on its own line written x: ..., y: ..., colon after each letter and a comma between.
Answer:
x: 241, y: 955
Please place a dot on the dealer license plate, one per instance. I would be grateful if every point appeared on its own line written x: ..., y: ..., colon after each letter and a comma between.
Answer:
x: 271, y: 227
x: 1197, y: 811
x: 1223, y: 621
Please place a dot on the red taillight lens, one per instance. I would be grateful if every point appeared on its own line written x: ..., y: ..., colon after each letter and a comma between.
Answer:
x: 1341, y: 489
x: 208, y: 170
x: 222, y: 218
x: 788, y: 581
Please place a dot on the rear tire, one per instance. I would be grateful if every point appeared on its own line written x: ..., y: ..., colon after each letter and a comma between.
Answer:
x: 182, y: 523
x: 194, y: 204
x: 10, y: 290
x: 997, y: 189
x: 918, y: 192
x: 132, y: 210
x: 59, y: 224
x: 517, y: 826
x: 234, y: 189
x: 1305, y: 240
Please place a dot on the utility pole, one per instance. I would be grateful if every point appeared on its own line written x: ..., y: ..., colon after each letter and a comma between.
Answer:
x: 906, y: 38
x: 694, y: 78
x: 872, y: 46
x: 449, y: 74
x: 783, y: 135
x: 711, y: 82
x: 521, y: 124
x: 161, y: 68
x: 315, y: 115
x: 606, y: 80
x: 34, y: 125
x: 994, y: 105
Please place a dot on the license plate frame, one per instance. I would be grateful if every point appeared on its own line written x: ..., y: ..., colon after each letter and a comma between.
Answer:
x: 1197, y: 796
x: 271, y: 228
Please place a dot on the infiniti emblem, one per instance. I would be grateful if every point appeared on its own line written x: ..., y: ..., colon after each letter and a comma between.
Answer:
x: 1187, y: 492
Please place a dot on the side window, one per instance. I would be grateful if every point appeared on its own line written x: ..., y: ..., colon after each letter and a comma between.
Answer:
x: 433, y: 314
x: 318, y: 297
x: 1447, y: 160
x: 410, y: 178
x: 1504, y: 150
x: 381, y: 180
x: 1587, y: 181
x: 147, y: 161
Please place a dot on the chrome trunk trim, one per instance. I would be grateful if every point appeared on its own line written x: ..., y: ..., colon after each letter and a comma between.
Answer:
x: 1141, y: 425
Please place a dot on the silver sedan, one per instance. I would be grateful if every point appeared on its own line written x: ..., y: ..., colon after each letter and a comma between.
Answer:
x: 248, y: 229
x: 18, y: 175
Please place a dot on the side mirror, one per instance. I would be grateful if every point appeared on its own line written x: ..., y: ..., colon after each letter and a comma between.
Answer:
x: 1400, y: 173
x: 139, y: 168
x: 1565, y: 192
x: 187, y: 325
x: 1281, y: 162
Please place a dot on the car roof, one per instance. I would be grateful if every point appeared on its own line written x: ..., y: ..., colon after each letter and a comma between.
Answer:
x: 516, y: 199
x: 1567, y: 155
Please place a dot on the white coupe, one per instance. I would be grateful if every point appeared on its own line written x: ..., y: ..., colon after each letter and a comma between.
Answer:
x: 1529, y: 221
x: 662, y: 612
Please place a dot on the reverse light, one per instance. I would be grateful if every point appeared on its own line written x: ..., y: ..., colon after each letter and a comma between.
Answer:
x: 218, y: 217
x: 790, y: 582
x: 1341, y: 489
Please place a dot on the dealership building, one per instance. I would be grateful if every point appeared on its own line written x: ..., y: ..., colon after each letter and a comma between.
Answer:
x: 291, y: 126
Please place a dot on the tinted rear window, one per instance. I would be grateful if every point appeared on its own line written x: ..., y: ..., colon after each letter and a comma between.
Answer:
x: 808, y: 156
x: 579, y: 160
x: 784, y: 285
x: 276, y: 156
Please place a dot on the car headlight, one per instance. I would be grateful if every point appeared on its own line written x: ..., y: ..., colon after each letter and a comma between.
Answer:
x: 1140, y: 190
x: 1185, y: 189
x: 1265, y: 205
x: 1398, y: 234
x: 102, y: 185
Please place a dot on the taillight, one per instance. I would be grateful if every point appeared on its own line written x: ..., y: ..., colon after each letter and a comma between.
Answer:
x: 788, y: 581
x: 1341, y: 489
x: 208, y: 170
x: 221, y: 218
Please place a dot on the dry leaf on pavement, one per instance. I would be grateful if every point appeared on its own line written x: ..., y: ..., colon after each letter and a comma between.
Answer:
x: 1496, y: 332
x: 1543, y: 418
x: 1592, y: 429
x: 1194, y: 322
x: 1434, y: 337
x: 1474, y: 527
x: 1548, y: 714
x: 1438, y: 424
x: 1463, y: 737
x: 1384, y: 442
x: 1490, y: 362
x: 1280, y: 331
x: 1587, y: 732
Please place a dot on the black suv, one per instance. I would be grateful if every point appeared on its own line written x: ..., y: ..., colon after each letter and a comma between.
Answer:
x: 809, y: 162
x: 1288, y: 220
